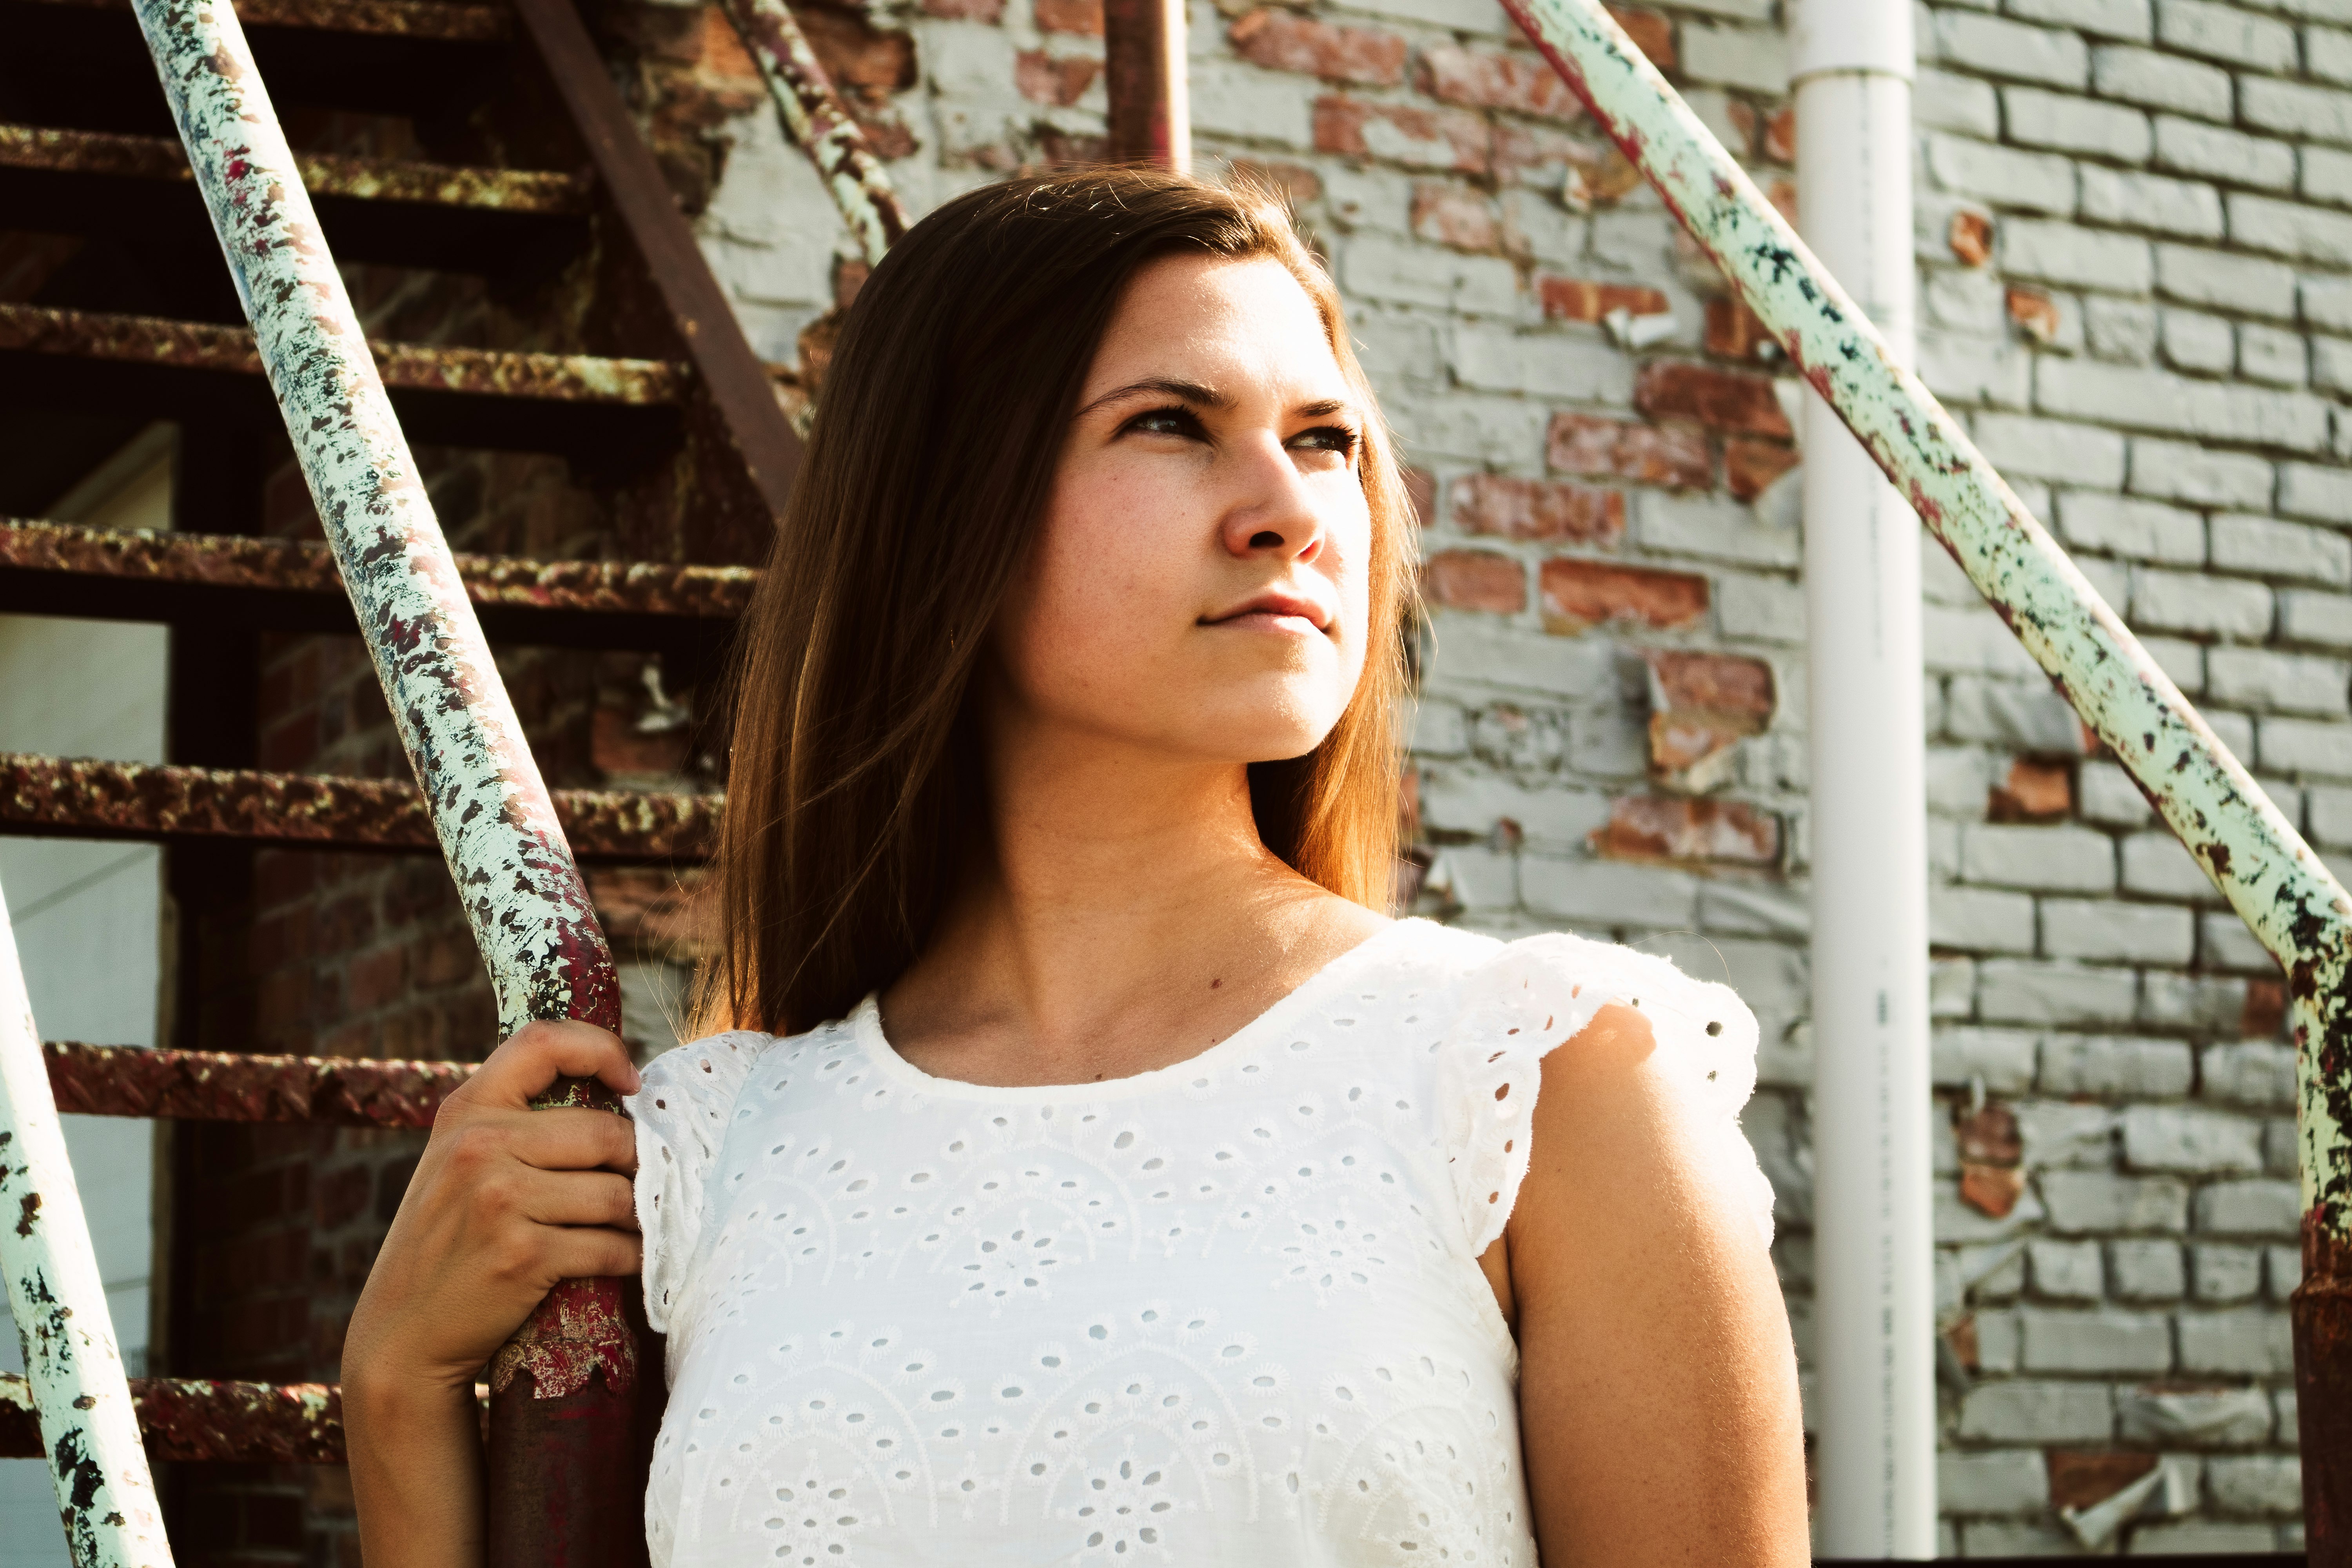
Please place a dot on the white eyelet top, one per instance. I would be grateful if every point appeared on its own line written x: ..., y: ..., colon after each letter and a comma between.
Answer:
x: 1229, y: 1313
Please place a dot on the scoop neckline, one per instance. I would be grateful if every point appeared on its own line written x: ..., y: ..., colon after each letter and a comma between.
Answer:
x: 865, y: 1023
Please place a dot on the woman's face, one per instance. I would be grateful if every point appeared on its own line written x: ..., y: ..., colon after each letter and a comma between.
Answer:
x: 1199, y: 587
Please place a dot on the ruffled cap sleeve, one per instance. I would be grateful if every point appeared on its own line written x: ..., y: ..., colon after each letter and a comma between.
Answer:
x: 1539, y: 993
x: 681, y: 1112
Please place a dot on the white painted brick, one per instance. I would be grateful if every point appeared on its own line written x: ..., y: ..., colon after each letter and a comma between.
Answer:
x: 2224, y: 1276
x: 2201, y: 1537
x: 2053, y: 859
x: 2255, y: 1483
x: 2225, y: 33
x: 2328, y: 303
x: 2249, y: 1208
x: 1768, y: 609
x: 1755, y: 908
x: 2279, y: 1149
x: 2296, y: 108
x: 2327, y: 175
x: 2223, y: 1417
x: 2182, y: 208
x: 2063, y: 253
x: 2305, y: 489
x: 2179, y: 658
x: 1474, y: 799
x: 2009, y: 1538
x: 2146, y: 1270
x: 2137, y: 529
x: 2154, y: 863
x: 2331, y: 363
x: 1382, y: 267
x: 1233, y: 98
x: 2125, y: 934
x: 2021, y: 991
x: 2063, y: 1132
x: 2119, y: 329
x: 1943, y: 101
x: 1717, y: 528
x: 2292, y: 682
x: 2243, y: 542
x: 2224, y: 942
x: 2233, y: 282
x: 2322, y: 618
x: 2276, y: 356
x: 1606, y: 892
x: 2304, y: 746
x: 2072, y: 123
x: 2064, y: 1271
x: 1957, y: 1223
x: 2327, y: 54
x: 1961, y: 368
x: 2195, y: 340
x: 2011, y: 49
x: 2206, y: 1002
x: 2282, y: 1270
x: 1972, y: 642
x: 2290, y: 228
x: 2104, y: 792
x: 2126, y: 19
x: 2002, y: 1481
x: 2097, y: 1201
x: 2024, y: 1410
x: 2002, y: 1058
x: 2152, y: 400
x: 2161, y: 81
x: 1494, y: 357
x: 2186, y: 1140
x: 2331, y: 815
x: 2182, y: 471
x: 2051, y: 449
x: 2282, y: 1401
x: 2181, y: 602
x: 2036, y: 182
x: 1756, y: 58
x: 2193, y: 147
x: 2109, y: 1341
x: 1508, y: 432
x: 2245, y: 1340
x: 1979, y: 920
x: 1485, y: 16
x: 2336, y: 11
x: 2114, y: 1065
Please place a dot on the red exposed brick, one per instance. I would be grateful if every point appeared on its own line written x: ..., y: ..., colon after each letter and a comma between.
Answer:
x: 1286, y: 41
x: 1728, y: 685
x: 1962, y: 1337
x: 377, y: 978
x: 1734, y: 331
x: 1677, y: 389
x: 1691, y: 752
x: 2081, y: 1481
x: 849, y: 275
x: 1579, y: 594
x: 864, y: 60
x: 1584, y: 300
x: 1989, y: 1136
x: 1742, y: 117
x: 2033, y: 792
x: 1672, y: 827
x: 1476, y: 580
x: 1296, y: 183
x: 1651, y: 34
x: 1538, y: 508
x: 343, y: 1196
x: 2035, y: 313
x: 618, y: 746
x: 722, y: 53
x: 1991, y: 1189
x: 1749, y: 466
x: 1082, y: 16
x: 1042, y: 79
x: 1483, y: 78
x: 1449, y: 215
x: 1781, y: 136
x: 1421, y: 493
x: 1402, y: 133
x: 1583, y: 444
x: 1971, y: 237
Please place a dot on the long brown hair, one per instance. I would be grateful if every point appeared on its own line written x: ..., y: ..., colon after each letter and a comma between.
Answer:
x: 855, y: 782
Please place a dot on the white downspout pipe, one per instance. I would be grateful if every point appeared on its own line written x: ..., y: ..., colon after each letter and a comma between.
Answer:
x: 1874, y: 1394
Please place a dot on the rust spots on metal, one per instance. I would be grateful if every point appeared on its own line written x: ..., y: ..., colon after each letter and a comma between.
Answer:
x: 228, y: 1086
x: 581, y: 1329
x: 197, y: 1419
x: 814, y: 117
x: 81, y: 797
x: 302, y: 566
x: 410, y: 367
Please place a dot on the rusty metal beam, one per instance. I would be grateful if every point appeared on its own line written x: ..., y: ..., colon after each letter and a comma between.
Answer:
x: 738, y: 384
x: 1150, y: 118
x: 817, y: 120
x: 81, y: 798
x: 229, y: 1086
x: 2249, y: 851
x: 196, y: 1419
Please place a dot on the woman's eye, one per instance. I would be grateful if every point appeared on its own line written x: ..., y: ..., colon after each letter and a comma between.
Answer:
x: 1326, y: 439
x: 1165, y: 422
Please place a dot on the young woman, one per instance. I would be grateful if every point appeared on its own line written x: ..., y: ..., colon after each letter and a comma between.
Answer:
x: 1088, y: 1172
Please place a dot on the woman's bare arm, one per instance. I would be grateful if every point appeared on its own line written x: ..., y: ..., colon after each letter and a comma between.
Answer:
x: 1657, y: 1383
x: 506, y: 1201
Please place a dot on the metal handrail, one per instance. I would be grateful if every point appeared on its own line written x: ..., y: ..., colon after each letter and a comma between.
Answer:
x: 2253, y: 856
x: 817, y: 120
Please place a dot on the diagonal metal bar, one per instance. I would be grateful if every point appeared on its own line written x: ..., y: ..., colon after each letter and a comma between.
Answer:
x: 105, y: 1494
x: 238, y: 1086
x: 192, y: 1418
x: 2246, y: 847
x: 524, y: 894
x: 815, y: 118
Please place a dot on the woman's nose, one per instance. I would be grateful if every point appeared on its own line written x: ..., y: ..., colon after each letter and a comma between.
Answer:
x: 1273, y: 511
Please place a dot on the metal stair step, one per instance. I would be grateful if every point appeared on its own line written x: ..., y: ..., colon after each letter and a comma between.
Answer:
x: 200, y: 1419
x: 229, y: 1086
x: 291, y: 585
x: 438, y: 215
x: 585, y: 406
x: 63, y: 798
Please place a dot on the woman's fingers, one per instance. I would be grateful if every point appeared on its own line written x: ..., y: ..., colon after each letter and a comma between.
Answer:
x: 590, y: 1252
x: 559, y: 1198
x: 572, y: 1139
x: 538, y: 1054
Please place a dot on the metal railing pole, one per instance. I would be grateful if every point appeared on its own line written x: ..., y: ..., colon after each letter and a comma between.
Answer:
x: 89, y: 1430
x: 563, y: 1486
x: 2249, y: 851
x: 1150, y: 118
x: 817, y: 120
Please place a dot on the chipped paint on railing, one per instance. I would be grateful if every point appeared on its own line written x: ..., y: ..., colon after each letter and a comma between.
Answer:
x: 47, y: 150
x: 2245, y: 845
x: 232, y: 1086
x: 81, y: 796
x: 815, y: 118
x: 73, y: 1363
x: 199, y: 1420
x: 305, y: 567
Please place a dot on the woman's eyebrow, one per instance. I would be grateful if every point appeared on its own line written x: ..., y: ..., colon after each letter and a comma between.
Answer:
x: 1162, y: 386
x: 1323, y: 408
